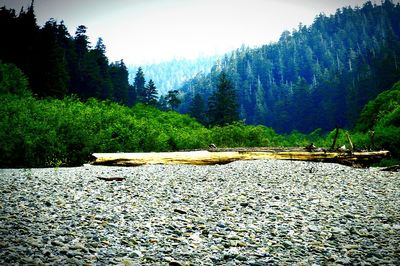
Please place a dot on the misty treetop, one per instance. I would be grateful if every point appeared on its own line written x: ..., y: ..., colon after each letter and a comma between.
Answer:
x: 313, y: 77
x: 170, y: 75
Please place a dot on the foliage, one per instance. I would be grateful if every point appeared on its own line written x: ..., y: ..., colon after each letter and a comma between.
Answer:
x: 383, y: 107
x: 382, y: 115
x: 197, y: 109
x: 173, y: 99
x: 139, y: 85
x: 12, y: 80
x: 240, y: 135
x: 150, y: 94
x: 39, y: 132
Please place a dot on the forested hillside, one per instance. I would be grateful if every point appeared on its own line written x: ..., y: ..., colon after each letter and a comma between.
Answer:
x: 314, y: 77
x: 172, y: 74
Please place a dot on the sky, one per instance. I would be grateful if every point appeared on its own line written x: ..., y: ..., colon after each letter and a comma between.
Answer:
x: 151, y: 31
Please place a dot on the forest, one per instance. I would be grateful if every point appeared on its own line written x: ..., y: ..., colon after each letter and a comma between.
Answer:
x: 62, y: 100
x: 319, y: 76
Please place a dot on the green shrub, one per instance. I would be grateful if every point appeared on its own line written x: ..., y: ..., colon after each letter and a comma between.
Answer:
x: 383, y: 116
x: 65, y: 132
x: 12, y: 80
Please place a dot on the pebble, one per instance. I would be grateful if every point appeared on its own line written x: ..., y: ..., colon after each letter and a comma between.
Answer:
x: 242, y: 213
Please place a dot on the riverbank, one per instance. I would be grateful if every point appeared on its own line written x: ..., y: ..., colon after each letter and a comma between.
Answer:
x: 242, y: 213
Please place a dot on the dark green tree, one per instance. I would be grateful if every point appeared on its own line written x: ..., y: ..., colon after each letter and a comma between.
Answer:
x: 105, y: 86
x: 12, y: 80
x: 162, y: 103
x: 222, y: 105
x: 132, y: 97
x: 119, y: 78
x: 81, y: 41
x: 150, y: 94
x: 173, y: 99
x: 81, y: 48
x: 139, y: 85
x: 197, y: 109
x: 51, y: 73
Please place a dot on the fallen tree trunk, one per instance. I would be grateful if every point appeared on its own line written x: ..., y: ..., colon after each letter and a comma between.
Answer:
x: 223, y: 156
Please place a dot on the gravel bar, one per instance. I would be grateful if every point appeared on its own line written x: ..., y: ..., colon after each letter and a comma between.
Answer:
x: 242, y: 213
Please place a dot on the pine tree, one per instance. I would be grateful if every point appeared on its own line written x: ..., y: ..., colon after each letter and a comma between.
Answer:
x: 162, y: 103
x: 197, y: 109
x: 139, y: 85
x: 132, y: 97
x: 51, y: 74
x: 222, y: 105
x: 150, y: 94
x: 105, y: 90
x: 119, y: 78
x: 173, y: 100
x: 81, y: 48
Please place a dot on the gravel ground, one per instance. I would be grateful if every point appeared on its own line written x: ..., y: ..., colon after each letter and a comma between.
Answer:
x: 243, y: 213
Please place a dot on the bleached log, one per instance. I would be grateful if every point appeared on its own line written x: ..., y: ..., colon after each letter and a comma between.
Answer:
x: 226, y: 156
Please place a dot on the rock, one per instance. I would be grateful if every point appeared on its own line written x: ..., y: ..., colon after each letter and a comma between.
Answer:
x: 57, y: 243
x: 313, y: 228
x: 180, y: 211
x: 287, y: 244
x: 136, y: 254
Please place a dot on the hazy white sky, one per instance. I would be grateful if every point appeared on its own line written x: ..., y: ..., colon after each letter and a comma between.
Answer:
x: 146, y: 31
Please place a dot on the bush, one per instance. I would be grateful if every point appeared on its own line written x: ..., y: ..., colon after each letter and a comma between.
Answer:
x: 65, y: 132
x: 383, y: 116
x: 12, y: 80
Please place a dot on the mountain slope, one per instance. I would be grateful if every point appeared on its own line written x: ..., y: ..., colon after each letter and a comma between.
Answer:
x: 172, y: 74
x: 314, y: 77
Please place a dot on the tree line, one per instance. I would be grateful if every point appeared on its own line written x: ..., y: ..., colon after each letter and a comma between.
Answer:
x: 58, y: 64
x: 319, y: 76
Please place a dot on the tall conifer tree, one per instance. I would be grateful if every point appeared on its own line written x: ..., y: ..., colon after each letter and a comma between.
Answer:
x: 222, y: 105
x: 150, y: 95
x: 139, y: 85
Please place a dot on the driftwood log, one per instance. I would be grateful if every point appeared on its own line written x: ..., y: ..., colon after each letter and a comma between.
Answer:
x: 223, y: 156
x: 112, y: 178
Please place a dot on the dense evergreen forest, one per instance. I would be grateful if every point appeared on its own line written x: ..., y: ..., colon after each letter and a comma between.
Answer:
x: 314, y: 77
x: 58, y: 64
